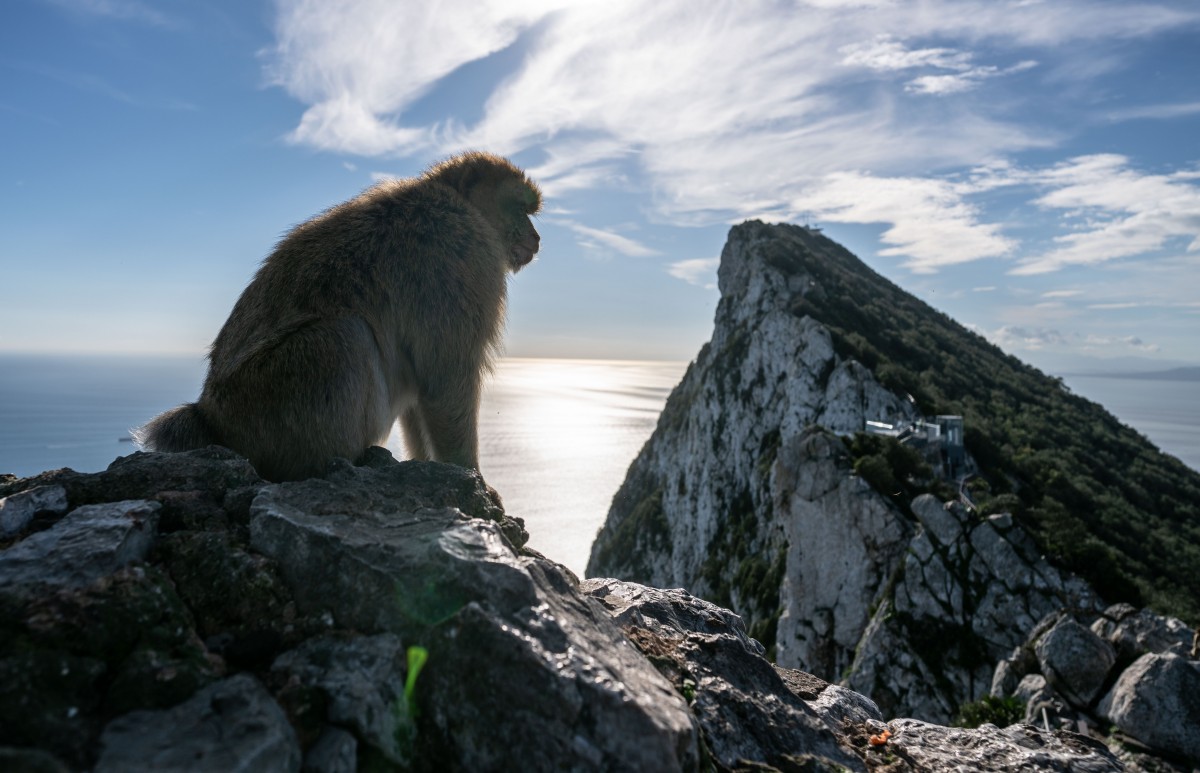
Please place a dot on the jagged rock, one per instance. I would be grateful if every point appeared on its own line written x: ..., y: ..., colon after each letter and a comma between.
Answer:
x: 959, y: 603
x: 1135, y: 632
x: 1020, y: 747
x: 90, y: 543
x: 538, y: 654
x: 17, y: 510
x: 361, y: 685
x: 1157, y: 701
x: 744, y: 707
x: 1075, y: 661
x: 233, y: 725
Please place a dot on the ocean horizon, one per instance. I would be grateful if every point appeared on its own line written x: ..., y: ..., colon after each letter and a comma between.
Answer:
x: 556, y: 436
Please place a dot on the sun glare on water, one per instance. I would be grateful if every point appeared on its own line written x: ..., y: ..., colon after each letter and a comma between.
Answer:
x: 557, y: 437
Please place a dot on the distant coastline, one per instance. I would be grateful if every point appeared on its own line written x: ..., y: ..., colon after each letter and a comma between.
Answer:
x: 1174, y: 374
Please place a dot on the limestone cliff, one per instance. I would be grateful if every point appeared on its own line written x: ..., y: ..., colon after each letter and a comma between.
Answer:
x: 750, y: 493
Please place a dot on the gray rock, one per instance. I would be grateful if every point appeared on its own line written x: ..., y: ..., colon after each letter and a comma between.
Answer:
x: 988, y: 748
x: 1157, y: 701
x: 1043, y: 706
x: 17, y: 510
x: 90, y: 542
x: 362, y: 680
x: 538, y: 654
x: 334, y: 751
x: 747, y: 712
x: 1135, y: 632
x: 228, y: 727
x: 1075, y: 661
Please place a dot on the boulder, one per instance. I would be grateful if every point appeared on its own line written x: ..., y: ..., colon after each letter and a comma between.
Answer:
x: 232, y: 726
x: 1134, y: 632
x: 1075, y: 661
x: 1157, y: 702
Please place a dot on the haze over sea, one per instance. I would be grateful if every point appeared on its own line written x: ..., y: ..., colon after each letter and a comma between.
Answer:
x: 556, y: 436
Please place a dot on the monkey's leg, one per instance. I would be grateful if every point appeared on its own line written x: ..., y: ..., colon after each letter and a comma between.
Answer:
x: 416, y: 443
x: 450, y: 417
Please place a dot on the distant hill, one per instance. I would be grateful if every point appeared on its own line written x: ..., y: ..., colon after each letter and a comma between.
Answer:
x: 1174, y: 374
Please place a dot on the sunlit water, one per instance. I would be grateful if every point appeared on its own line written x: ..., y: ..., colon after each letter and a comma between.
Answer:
x: 556, y: 436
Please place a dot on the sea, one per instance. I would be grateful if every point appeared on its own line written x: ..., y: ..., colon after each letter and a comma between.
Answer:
x: 556, y: 436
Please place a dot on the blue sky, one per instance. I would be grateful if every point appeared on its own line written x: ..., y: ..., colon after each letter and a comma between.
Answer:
x: 1030, y: 168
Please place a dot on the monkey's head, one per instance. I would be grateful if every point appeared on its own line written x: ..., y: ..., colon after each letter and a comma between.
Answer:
x: 502, y: 193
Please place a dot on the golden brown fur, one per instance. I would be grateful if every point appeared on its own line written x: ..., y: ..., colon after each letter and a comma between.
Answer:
x: 389, y: 306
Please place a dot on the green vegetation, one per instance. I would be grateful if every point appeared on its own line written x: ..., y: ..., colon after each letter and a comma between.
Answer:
x: 894, y: 469
x: 1000, y: 712
x: 416, y: 661
x: 1098, y: 497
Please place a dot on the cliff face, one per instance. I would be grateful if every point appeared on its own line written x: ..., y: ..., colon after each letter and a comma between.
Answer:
x: 747, y: 494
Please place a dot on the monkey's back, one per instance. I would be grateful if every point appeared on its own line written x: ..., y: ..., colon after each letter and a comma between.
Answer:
x: 413, y: 239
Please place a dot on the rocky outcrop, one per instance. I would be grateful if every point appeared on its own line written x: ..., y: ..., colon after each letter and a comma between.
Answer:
x: 177, y: 613
x: 747, y: 494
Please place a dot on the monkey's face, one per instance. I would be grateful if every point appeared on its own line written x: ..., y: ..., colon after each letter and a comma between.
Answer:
x: 509, y: 207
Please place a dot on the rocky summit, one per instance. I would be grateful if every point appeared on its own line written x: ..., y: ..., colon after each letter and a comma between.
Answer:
x: 175, y: 612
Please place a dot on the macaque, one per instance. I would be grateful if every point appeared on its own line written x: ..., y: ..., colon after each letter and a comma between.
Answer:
x: 388, y: 306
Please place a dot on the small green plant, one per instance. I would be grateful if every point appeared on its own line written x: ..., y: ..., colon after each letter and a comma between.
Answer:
x: 1000, y: 712
x: 688, y: 688
x: 416, y: 661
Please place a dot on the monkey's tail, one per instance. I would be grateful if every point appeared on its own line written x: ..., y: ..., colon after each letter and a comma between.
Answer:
x: 179, y: 429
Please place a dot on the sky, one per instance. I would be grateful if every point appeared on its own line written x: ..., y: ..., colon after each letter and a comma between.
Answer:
x: 1031, y: 168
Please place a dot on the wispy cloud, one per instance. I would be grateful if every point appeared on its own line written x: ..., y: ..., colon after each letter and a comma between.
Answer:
x: 1035, y: 339
x: 722, y: 110
x: 697, y: 271
x: 1120, y: 212
x: 931, y: 222
x: 887, y: 54
x: 1157, y: 112
x: 597, y: 238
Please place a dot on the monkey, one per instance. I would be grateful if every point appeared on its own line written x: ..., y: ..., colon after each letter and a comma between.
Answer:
x: 389, y: 306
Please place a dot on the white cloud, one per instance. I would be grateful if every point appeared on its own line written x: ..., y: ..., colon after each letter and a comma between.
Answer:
x: 1119, y: 211
x: 939, y: 85
x: 1061, y: 293
x: 885, y: 53
x: 697, y: 271
x: 931, y: 223
x: 596, y: 238
x: 722, y: 110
